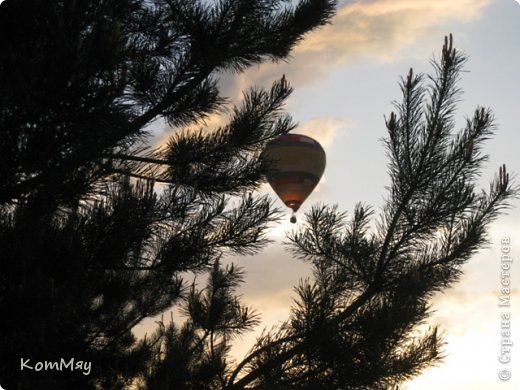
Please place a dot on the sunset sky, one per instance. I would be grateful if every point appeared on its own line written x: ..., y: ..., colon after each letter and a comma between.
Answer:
x: 345, y: 77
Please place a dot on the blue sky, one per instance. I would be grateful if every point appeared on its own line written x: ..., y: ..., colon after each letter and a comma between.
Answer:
x: 345, y: 77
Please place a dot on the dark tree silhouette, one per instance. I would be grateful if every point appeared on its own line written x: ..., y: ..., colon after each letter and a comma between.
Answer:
x: 357, y: 323
x: 90, y: 245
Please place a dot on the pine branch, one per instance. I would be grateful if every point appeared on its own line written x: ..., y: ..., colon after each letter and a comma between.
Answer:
x: 432, y: 223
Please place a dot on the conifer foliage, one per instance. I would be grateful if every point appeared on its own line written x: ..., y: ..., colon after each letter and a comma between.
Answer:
x: 90, y: 245
x: 98, y: 229
x: 357, y: 323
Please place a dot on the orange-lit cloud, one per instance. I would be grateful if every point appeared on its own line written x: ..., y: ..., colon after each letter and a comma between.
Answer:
x: 379, y: 28
x: 382, y: 26
x: 323, y: 130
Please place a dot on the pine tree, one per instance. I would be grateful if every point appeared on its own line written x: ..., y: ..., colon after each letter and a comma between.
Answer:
x: 90, y: 245
x: 98, y: 229
x: 357, y: 323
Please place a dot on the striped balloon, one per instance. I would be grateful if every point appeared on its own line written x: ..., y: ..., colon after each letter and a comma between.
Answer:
x: 298, y: 161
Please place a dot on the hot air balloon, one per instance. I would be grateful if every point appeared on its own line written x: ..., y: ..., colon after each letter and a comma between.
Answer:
x: 298, y: 161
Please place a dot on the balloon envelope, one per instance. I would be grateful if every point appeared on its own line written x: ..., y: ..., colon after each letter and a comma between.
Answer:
x: 298, y: 161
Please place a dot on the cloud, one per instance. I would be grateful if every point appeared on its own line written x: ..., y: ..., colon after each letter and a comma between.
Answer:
x: 459, y: 310
x: 324, y: 130
x: 269, y: 286
x: 379, y: 28
x: 209, y: 124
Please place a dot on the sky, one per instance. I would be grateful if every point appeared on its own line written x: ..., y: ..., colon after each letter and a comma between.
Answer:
x: 345, y: 78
